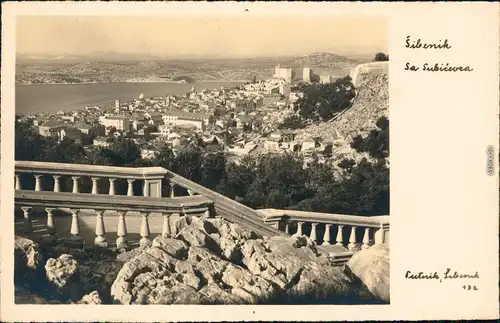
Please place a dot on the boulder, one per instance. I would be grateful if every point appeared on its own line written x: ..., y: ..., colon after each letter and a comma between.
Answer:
x: 28, y: 261
x: 372, y: 267
x: 212, y: 261
x: 93, y: 299
x: 64, y: 277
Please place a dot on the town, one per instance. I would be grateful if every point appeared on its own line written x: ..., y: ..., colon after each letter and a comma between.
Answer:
x: 239, y: 121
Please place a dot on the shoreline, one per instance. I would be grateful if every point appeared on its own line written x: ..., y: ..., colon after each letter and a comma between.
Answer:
x: 139, y: 82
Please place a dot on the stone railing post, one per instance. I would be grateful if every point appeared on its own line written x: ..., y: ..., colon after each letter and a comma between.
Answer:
x: 75, y: 225
x: 326, y: 236
x: 340, y: 239
x: 366, y: 239
x: 299, y: 229
x: 172, y: 190
x: 18, y: 182
x: 28, y: 228
x: 38, y: 183
x: 76, y: 188
x: 313, y: 235
x: 153, y: 178
x: 130, y: 189
x: 51, y: 224
x: 95, y: 185
x: 121, y: 242
x: 57, y: 183
x: 287, y: 228
x: 145, y: 231
x: 352, y: 246
x: 112, y: 186
x: 166, y: 231
x: 381, y: 235
x: 100, y: 230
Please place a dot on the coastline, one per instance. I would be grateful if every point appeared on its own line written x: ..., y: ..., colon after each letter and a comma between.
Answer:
x: 139, y: 82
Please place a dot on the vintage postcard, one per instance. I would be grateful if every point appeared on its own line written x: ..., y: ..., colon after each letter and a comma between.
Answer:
x: 224, y: 161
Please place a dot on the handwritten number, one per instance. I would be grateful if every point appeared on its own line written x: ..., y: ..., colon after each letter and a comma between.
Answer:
x: 469, y: 287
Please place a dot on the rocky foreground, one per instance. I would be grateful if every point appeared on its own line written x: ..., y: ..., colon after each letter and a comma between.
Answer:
x: 202, y: 261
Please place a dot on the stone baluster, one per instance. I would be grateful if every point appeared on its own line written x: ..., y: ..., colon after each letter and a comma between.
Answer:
x: 166, y: 231
x: 100, y: 230
x: 172, y: 192
x: 112, y: 186
x: 18, y: 182
x: 28, y: 227
x: 95, y: 185
x: 326, y: 236
x: 299, y: 229
x: 190, y: 192
x: 352, y: 246
x: 76, y: 188
x: 57, y: 183
x: 122, y: 242
x: 340, y: 239
x: 145, y: 231
x: 75, y: 225
x: 366, y: 239
x: 38, y: 183
x: 51, y: 224
x: 206, y: 214
x: 313, y: 235
x: 287, y: 228
x: 130, y: 189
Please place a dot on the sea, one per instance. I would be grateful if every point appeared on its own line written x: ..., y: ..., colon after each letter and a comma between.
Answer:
x: 36, y: 98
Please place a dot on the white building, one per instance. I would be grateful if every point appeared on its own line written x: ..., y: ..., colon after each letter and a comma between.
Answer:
x: 306, y: 74
x: 117, y: 106
x: 119, y: 122
x: 285, y: 73
x: 176, y: 118
x: 324, y: 79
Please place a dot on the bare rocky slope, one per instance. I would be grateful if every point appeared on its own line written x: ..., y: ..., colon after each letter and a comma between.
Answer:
x: 201, y: 261
x: 371, y: 103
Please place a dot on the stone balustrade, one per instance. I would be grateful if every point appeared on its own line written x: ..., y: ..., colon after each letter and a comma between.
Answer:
x: 151, y: 177
x: 352, y: 232
x: 76, y: 202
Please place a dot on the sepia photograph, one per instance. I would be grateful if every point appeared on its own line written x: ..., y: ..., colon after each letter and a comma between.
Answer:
x: 201, y: 160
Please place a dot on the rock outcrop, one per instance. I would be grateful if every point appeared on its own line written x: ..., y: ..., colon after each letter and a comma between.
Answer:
x: 214, y: 261
x: 64, y: 276
x: 372, y: 267
x: 28, y: 261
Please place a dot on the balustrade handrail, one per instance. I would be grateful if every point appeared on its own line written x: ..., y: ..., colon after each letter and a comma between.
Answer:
x: 225, y: 206
x: 186, y: 204
x: 275, y: 215
x: 40, y: 168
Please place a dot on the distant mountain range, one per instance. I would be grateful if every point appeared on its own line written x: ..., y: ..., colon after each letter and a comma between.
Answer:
x: 118, y: 67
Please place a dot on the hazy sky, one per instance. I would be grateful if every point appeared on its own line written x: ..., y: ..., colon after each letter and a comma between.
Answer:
x: 202, y: 36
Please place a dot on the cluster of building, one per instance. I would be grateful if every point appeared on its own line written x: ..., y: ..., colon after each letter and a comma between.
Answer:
x: 239, y: 121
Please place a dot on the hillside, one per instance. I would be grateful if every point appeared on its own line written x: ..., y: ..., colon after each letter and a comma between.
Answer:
x: 371, y: 103
x: 105, y: 69
x: 324, y: 63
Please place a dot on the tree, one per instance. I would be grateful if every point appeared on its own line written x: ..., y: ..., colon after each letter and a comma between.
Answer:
x: 292, y: 122
x: 122, y: 152
x: 323, y: 101
x: 213, y: 170
x: 66, y: 151
x: 380, y: 57
x: 377, y: 141
x: 29, y: 145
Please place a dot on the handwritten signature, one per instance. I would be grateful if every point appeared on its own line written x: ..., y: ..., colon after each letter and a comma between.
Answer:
x: 447, y: 274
